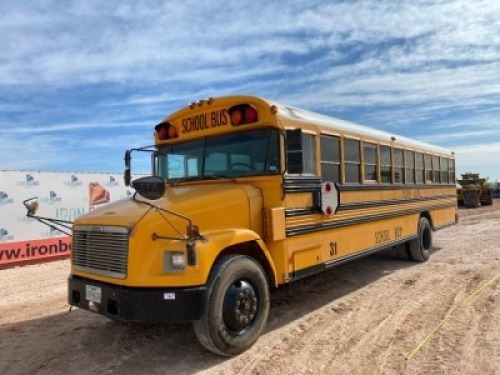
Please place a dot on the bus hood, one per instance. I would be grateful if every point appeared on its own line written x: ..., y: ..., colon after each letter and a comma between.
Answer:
x: 210, y: 206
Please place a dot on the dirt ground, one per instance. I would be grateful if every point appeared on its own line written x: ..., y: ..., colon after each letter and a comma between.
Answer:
x: 364, y: 317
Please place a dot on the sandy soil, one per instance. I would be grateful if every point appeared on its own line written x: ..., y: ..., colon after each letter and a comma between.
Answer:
x: 365, y: 317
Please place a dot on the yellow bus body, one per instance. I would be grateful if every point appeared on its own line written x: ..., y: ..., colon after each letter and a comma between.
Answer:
x: 277, y: 218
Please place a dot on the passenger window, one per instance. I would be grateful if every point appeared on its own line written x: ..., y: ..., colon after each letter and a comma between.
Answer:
x: 370, y: 162
x: 428, y: 169
x: 437, y: 174
x: 330, y: 158
x: 398, y: 166
x: 301, y: 152
x: 420, y: 172
x: 385, y: 164
x: 445, y: 175
x: 352, y: 160
x: 309, y: 153
x: 410, y: 167
x: 451, y: 166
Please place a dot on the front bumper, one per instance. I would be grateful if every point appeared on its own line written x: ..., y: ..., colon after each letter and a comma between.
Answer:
x: 153, y: 305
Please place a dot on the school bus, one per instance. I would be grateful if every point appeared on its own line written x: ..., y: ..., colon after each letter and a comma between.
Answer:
x: 246, y: 195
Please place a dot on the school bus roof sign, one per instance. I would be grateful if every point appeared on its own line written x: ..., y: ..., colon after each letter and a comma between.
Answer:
x: 207, y: 121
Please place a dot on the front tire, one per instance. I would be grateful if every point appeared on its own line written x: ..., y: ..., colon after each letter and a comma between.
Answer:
x: 420, y: 248
x: 471, y: 199
x: 236, y: 306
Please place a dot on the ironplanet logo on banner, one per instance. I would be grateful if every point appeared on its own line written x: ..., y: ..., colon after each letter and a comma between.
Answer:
x: 5, y: 236
x: 111, y: 183
x: 73, y: 182
x: 4, y: 199
x: 52, y: 232
x: 28, y: 182
x: 53, y: 198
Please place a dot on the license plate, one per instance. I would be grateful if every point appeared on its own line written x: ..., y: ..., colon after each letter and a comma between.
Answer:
x: 93, y: 293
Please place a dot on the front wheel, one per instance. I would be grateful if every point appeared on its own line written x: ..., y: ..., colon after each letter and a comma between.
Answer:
x: 236, y: 306
x: 420, y: 248
x: 471, y: 199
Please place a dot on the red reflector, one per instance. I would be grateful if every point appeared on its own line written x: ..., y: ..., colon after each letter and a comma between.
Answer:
x: 250, y: 115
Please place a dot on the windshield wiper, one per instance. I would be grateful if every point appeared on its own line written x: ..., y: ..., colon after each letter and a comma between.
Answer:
x: 174, y: 182
x: 219, y: 177
x: 202, y: 178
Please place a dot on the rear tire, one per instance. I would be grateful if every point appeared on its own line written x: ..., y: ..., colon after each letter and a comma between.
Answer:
x: 402, y: 251
x: 420, y: 248
x: 489, y: 199
x: 236, y: 306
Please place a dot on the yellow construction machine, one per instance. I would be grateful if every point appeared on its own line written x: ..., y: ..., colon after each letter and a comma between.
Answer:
x: 473, y: 191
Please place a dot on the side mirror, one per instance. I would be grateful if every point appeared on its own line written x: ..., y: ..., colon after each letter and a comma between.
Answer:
x: 126, y: 176
x: 150, y: 187
x: 294, y: 151
x: 127, y: 159
x: 31, y: 205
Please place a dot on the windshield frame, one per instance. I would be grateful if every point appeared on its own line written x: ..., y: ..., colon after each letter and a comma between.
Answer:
x: 223, y: 156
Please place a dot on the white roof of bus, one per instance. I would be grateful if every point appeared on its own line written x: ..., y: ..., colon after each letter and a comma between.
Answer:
x: 355, y: 129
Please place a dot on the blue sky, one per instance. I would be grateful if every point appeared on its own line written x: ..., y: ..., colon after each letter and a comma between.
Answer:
x: 81, y: 81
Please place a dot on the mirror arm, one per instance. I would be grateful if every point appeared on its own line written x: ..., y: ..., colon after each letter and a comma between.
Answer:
x: 53, y: 222
x: 161, y: 209
x: 31, y: 205
x: 192, y: 235
x: 65, y: 223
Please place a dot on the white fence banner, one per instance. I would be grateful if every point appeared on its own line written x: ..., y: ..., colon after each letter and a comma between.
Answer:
x: 63, y: 196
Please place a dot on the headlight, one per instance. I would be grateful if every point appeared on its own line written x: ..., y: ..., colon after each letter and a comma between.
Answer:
x: 174, y: 261
x: 178, y: 260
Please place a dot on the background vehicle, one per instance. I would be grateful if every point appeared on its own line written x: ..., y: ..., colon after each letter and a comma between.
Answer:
x: 496, y: 191
x: 474, y: 191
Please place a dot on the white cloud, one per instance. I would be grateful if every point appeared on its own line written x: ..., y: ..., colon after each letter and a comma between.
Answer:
x: 479, y: 158
x: 477, y: 154
x: 62, y: 128
x: 89, y: 43
x: 41, y: 153
x: 449, y: 137
x: 435, y: 64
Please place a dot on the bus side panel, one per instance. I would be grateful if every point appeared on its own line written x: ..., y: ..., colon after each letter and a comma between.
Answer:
x: 312, y: 252
x: 443, y: 217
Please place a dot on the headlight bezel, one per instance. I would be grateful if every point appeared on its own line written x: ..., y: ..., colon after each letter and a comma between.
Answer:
x: 174, y: 261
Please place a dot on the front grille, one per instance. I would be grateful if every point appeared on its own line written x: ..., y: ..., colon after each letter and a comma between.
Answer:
x: 100, y: 250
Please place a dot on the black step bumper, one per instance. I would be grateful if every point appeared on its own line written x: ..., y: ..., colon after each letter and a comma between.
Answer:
x: 152, y: 305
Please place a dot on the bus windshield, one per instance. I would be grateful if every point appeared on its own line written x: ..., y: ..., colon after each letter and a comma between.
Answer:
x: 248, y: 153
